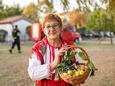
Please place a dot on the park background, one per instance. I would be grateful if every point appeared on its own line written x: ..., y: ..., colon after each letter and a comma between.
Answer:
x: 93, y: 19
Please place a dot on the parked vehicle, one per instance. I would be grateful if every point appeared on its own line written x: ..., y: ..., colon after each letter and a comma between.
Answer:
x: 70, y: 35
x: 108, y: 34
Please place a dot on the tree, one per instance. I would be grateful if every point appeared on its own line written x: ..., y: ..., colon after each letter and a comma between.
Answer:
x: 76, y: 18
x: 65, y: 4
x: 6, y: 11
x: 12, y: 11
x: 1, y: 10
x: 31, y: 11
x: 101, y: 20
x: 44, y: 7
x: 111, y: 17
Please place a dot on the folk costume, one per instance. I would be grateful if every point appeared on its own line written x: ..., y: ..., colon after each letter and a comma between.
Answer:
x: 42, y: 56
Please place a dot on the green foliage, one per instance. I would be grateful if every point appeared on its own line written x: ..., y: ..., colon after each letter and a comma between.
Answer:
x: 65, y: 4
x: 31, y: 12
x: 6, y: 11
x: 82, y: 55
x: 68, y: 59
x: 50, y: 5
x: 111, y: 6
x: 101, y: 20
x: 13, y: 10
x: 91, y: 66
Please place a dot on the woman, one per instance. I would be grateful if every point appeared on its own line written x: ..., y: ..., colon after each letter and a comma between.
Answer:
x: 47, y: 54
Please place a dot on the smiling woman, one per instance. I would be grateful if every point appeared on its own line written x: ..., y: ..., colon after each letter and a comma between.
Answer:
x: 47, y: 54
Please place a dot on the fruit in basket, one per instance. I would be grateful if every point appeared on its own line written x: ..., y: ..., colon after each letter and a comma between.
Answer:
x: 81, y: 72
x: 90, y: 64
x: 70, y: 72
x: 65, y: 74
x: 77, y: 73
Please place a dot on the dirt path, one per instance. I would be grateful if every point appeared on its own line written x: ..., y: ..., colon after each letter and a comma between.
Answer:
x: 13, y: 67
x: 104, y: 59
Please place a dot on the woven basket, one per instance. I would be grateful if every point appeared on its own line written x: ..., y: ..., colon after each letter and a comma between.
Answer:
x: 77, y: 80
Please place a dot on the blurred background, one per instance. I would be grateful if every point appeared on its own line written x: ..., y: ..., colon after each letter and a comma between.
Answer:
x: 89, y: 23
x: 93, y: 19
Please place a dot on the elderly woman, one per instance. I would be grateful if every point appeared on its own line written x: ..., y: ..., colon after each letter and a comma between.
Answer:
x: 47, y: 54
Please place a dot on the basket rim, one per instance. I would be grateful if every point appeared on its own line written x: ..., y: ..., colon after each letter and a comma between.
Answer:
x: 83, y: 50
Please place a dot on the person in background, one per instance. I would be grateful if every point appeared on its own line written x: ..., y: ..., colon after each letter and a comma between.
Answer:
x: 47, y: 54
x: 16, y: 39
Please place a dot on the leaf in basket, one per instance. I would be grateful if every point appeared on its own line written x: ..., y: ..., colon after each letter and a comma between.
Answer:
x: 91, y: 66
x: 82, y: 56
x: 62, y: 64
x: 68, y: 62
x: 70, y: 55
x: 90, y: 63
x: 68, y: 59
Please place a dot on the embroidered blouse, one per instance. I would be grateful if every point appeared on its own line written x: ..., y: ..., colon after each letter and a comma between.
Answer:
x: 42, y: 56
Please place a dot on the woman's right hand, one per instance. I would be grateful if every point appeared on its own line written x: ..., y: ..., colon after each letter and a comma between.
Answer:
x: 57, y: 58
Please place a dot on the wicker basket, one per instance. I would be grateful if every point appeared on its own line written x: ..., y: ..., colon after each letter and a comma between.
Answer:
x: 77, y: 80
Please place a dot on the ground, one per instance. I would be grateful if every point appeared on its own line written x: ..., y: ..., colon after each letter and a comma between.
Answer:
x: 13, y: 67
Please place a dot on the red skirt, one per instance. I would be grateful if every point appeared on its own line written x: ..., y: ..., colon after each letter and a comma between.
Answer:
x: 47, y: 82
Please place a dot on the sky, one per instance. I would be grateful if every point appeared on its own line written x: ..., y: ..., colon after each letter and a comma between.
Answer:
x: 23, y: 3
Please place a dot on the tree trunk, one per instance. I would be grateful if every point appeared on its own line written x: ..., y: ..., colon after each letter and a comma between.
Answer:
x: 111, y: 38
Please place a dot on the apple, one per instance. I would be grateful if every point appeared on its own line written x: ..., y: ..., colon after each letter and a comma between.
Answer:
x: 81, y: 72
x: 70, y: 72
x: 77, y: 73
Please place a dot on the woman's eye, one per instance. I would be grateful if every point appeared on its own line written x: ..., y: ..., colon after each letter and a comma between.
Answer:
x: 48, y: 26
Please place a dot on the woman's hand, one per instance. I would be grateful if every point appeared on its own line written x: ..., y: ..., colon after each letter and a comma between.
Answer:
x: 57, y: 58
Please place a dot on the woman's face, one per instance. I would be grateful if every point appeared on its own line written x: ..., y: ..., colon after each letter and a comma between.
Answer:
x: 52, y: 30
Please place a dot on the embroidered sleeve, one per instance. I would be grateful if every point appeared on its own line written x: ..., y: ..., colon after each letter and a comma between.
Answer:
x: 36, y: 70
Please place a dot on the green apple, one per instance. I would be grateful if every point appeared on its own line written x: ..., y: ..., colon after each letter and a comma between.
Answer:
x: 77, y: 73
x: 70, y: 72
x: 81, y: 72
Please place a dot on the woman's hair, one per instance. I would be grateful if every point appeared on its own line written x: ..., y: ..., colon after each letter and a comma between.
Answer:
x: 50, y: 17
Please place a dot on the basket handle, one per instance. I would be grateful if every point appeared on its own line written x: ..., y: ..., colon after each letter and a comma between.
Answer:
x: 74, y: 46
